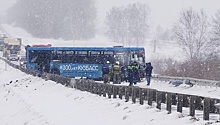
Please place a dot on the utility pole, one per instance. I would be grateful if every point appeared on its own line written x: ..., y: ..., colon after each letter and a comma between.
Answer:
x: 5, y: 66
x: 155, y: 46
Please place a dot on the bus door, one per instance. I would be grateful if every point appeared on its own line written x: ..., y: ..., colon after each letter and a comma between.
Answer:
x: 139, y: 57
x: 122, y: 57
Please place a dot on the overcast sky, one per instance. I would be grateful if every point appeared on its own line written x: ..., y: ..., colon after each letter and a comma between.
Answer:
x: 163, y: 12
x: 5, y: 4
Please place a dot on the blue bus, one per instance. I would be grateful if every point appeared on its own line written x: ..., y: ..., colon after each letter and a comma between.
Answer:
x: 81, y: 61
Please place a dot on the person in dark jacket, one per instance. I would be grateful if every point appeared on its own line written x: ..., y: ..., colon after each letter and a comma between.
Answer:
x: 130, y: 73
x: 148, y: 71
x: 106, y: 72
x: 136, y: 69
x: 40, y: 69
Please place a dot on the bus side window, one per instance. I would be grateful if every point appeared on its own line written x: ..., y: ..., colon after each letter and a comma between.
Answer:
x: 140, y: 59
x: 85, y: 59
x: 134, y: 57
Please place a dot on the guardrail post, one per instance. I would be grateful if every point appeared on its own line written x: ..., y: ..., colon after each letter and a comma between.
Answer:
x: 218, y: 107
x: 158, y: 99
x: 90, y: 86
x: 180, y: 103
x: 163, y: 100
x: 78, y: 85
x: 93, y: 88
x: 100, y: 89
x: 145, y: 94
x: 185, y: 101
x: 121, y: 91
x: 127, y: 93
x: 150, y: 97
x: 109, y: 91
x: 169, y: 102
x: 104, y: 89
x: 154, y: 94
x: 141, y: 96
x: 174, y: 101
x: 192, y: 105
x: 212, y: 106
x: 198, y: 103
x: 82, y: 85
x: 206, y: 108
x: 86, y: 85
x: 114, y: 91
x: 96, y: 88
x: 75, y: 82
x: 134, y: 94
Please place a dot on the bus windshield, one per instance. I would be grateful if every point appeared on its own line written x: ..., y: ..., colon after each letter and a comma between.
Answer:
x: 39, y: 56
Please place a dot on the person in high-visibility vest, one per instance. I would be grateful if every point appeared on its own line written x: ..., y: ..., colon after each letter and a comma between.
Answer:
x: 133, y: 74
x: 116, y: 72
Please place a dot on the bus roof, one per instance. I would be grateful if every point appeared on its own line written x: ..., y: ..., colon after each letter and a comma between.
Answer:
x: 86, y: 48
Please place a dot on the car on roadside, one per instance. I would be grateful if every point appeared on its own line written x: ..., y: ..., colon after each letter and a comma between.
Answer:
x: 13, y: 57
x: 22, y: 61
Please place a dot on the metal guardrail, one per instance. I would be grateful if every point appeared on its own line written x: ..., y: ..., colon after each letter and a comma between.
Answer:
x: 194, y: 81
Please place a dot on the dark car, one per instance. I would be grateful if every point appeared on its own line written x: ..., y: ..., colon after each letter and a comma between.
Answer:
x: 22, y: 61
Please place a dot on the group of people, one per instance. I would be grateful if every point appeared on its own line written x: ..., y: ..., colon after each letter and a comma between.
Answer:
x: 115, y: 72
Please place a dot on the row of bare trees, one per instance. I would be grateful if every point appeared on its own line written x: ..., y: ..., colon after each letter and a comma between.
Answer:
x: 198, y: 37
x: 69, y: 19
x: 200, y: 40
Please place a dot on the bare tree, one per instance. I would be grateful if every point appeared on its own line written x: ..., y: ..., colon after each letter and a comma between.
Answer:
x: 215, y: 38
x: 191, y: 32
x: 137, y: 22
x: 117, y: 25
x: 128, y: 25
